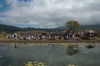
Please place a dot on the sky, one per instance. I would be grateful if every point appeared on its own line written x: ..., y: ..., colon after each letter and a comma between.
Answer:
x: 48, y: 13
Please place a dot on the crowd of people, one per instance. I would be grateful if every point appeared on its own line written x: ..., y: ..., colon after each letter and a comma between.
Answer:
x: 50, y: 36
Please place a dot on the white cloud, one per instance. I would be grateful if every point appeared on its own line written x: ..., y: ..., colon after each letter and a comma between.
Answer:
x: 49, y: 13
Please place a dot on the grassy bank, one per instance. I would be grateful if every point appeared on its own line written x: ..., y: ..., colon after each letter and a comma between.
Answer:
x: 3, y: 39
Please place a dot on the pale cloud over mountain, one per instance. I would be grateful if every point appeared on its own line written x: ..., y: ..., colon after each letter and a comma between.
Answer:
x: 50, y: 13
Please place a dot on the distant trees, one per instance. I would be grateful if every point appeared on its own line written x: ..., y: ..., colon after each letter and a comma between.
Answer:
x: 72, y: 25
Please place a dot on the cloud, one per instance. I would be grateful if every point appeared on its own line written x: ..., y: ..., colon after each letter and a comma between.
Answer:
x: 1, y: 5
x: 51, y: 13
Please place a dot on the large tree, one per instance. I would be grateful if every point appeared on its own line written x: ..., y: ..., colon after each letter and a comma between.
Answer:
x: 72, y: 25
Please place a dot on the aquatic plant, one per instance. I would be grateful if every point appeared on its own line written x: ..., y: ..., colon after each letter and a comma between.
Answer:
x: 36, y: 63
x: 29, y: 64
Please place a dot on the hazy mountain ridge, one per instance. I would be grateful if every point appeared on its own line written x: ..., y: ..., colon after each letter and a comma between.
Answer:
x: 9, y: 28
x: 82, y: 27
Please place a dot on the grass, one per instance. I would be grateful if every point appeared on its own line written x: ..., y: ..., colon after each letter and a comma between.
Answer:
x: 4, y: 39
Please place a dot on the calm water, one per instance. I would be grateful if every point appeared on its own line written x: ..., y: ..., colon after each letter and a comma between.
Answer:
x: 51, y: 54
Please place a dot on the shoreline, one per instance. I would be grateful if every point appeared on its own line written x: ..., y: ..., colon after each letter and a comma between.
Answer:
x: 12, y: 40
x: 49, y: 41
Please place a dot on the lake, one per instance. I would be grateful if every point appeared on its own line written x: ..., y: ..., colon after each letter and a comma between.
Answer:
x: 57, y: 54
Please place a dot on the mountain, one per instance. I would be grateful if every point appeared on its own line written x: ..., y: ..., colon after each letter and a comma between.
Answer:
x: 82, y: 27
x: 94, y: 27
x: 11, y: 29
x: 8, y: 28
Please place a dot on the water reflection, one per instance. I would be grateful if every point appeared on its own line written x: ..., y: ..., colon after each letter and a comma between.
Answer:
x: 15, y: 46
x: 71, y: 50
x: 51, y: 54
x: 89, y: 46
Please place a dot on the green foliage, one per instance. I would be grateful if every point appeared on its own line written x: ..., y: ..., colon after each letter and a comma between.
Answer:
x: 72, y: 25
x: 36, y: 63
x: 29, y: 64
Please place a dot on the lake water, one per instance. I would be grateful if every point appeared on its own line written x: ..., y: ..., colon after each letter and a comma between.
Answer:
x: 85, y: 54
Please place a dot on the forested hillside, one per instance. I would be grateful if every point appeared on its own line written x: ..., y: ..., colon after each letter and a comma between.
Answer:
x: 8, y: 28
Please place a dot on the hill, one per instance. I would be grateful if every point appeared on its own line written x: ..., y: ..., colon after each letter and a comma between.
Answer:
x: 11, y: 29
x: 8, y: 28
x: 94, y: 27
x: 82, y: 27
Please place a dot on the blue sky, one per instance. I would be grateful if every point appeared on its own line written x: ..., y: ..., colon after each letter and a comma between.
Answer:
x: 3, y: 5
x: 48, y: 13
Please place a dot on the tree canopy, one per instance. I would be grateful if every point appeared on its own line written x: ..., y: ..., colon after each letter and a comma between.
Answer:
x: 72, y: 25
